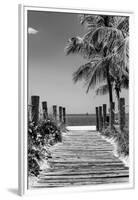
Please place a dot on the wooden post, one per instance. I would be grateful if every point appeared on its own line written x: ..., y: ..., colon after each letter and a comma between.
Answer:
x: 107, y: 119
x: 104, y: 115
x: 97, y: 119
x: 112, y: 115
x: 55, y: 112
x: 35, y: 108
x: 60, y: 113
x: 122, y: 114
x: 44, y: 108
x: 100, y: 118
x: 113, y: 106
x: 29, y: 113
x: 64, y: 115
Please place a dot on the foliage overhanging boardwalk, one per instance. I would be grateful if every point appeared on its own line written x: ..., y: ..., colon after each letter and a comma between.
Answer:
x: 83, y: 158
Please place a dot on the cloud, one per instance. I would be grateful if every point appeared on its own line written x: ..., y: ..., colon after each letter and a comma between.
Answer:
x: 32, y: 31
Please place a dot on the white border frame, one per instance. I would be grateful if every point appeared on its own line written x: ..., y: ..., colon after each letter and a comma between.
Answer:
x: 22, y: 141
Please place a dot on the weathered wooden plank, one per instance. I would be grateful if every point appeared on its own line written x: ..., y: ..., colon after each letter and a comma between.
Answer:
x: 84, y: 158
x: 60, y: 114
x: 45, y: 109
x: 64, y: 115
x: 83, y: 176
x: 35, y: 108
x: 100, y: 118
x: 104, y: 115
x: 74, y: 180
x: 55, y: 112
x: 97, y: 119
x: 122, y: 114
x: 90, y: 182
x: 112, y: 114
x: 84, y: 172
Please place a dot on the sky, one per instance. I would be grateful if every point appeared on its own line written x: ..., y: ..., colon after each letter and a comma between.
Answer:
x: 50, y: 70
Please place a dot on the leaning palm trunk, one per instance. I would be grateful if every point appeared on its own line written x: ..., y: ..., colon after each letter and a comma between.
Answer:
x: 118, y: 102
x: 110, y: 97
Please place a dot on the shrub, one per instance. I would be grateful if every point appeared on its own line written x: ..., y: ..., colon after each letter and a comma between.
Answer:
x: 121, y: 138
x: 108, y: 132
x: 39, y: 137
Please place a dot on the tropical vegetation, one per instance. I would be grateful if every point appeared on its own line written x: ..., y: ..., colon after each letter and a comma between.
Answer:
x: 40, y: 137
x: 105, y: 46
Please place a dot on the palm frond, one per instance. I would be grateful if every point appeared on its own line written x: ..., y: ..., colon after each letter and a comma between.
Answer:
x: 115, y: 21
x: 91, y: 21
x: 121, y: 55
x: 82, y: 72
x: 125, y: 73
x: 96, y: 75
x: 78, y: 45
x: 124, y: 26
x: 125, y: 82
x: 119, y: 76
x: 106, y: 36
x: 102, y: 90
x: 74, y: 45
x: 91, y: 72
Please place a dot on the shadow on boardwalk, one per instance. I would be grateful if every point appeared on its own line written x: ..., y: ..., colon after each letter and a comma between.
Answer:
x: 83, y: 158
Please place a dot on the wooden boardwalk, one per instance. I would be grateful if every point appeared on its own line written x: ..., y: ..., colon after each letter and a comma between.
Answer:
x: 83, y: 158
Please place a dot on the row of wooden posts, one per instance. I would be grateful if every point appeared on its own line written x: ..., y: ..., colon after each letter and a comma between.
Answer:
x: 102, y: 119
x: 35, y: 102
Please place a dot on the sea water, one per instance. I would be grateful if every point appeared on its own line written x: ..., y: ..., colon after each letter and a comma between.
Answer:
x: 81, y: 119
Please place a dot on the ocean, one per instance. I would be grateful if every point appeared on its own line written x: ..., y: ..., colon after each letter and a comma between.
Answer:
x: 87, y: 120
x: 81, y: 119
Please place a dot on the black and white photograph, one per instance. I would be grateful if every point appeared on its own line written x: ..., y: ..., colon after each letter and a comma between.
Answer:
x: 69, y: 100
x: 78, y: 131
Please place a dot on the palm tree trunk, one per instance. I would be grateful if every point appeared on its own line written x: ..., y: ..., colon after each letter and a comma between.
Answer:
x: 110, y: 97
x: 118, y: 98
x: 118, y: 101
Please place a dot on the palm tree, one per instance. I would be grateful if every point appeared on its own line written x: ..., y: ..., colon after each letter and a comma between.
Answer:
x: 119, y: 80
x: 100, y: 46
